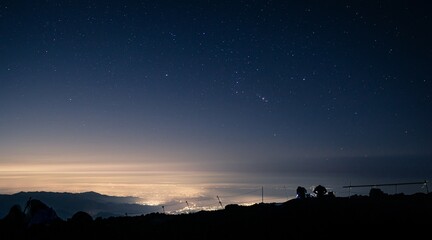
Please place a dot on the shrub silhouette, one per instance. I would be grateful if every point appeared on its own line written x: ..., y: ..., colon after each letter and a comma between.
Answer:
x: 81, y: 218
x: 15, y: 215
x: 376, y: 193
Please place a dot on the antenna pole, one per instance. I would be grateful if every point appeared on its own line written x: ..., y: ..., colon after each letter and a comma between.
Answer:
x: 349, y: 194
x: 27, y: 204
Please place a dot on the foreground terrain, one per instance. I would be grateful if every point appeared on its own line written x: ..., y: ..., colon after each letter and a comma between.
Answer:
x: 357, y: 216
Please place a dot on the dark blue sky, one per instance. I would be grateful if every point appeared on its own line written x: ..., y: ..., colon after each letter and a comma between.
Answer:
x: 247, y: 86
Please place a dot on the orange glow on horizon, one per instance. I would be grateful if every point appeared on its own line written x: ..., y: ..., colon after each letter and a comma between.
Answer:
x: 146, y: 181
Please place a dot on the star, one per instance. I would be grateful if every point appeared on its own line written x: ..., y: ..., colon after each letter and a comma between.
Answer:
x: 262, y: 98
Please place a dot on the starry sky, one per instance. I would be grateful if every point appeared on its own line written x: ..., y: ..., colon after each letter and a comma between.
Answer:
x: 198, y: 94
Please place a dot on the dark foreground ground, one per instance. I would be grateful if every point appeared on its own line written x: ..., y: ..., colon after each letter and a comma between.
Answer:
x: 396, y: 216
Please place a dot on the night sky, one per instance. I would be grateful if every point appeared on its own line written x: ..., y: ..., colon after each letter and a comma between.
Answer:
x: 200, y: 96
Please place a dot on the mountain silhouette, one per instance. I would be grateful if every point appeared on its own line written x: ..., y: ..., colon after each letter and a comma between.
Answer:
x: 67, y: 204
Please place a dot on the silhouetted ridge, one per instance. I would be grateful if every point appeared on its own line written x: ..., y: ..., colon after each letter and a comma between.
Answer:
x: 67, y: 204
x: 298, y: 218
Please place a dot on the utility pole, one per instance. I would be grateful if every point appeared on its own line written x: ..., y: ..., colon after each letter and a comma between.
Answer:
x: 163, y: 209
x: 262, y: 194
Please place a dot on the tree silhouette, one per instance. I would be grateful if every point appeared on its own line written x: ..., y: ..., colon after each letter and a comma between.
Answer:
x: 320, y: 191
x: 301, y: 192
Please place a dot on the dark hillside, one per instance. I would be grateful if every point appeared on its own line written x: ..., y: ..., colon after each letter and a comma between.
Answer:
x: 360, y: 216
